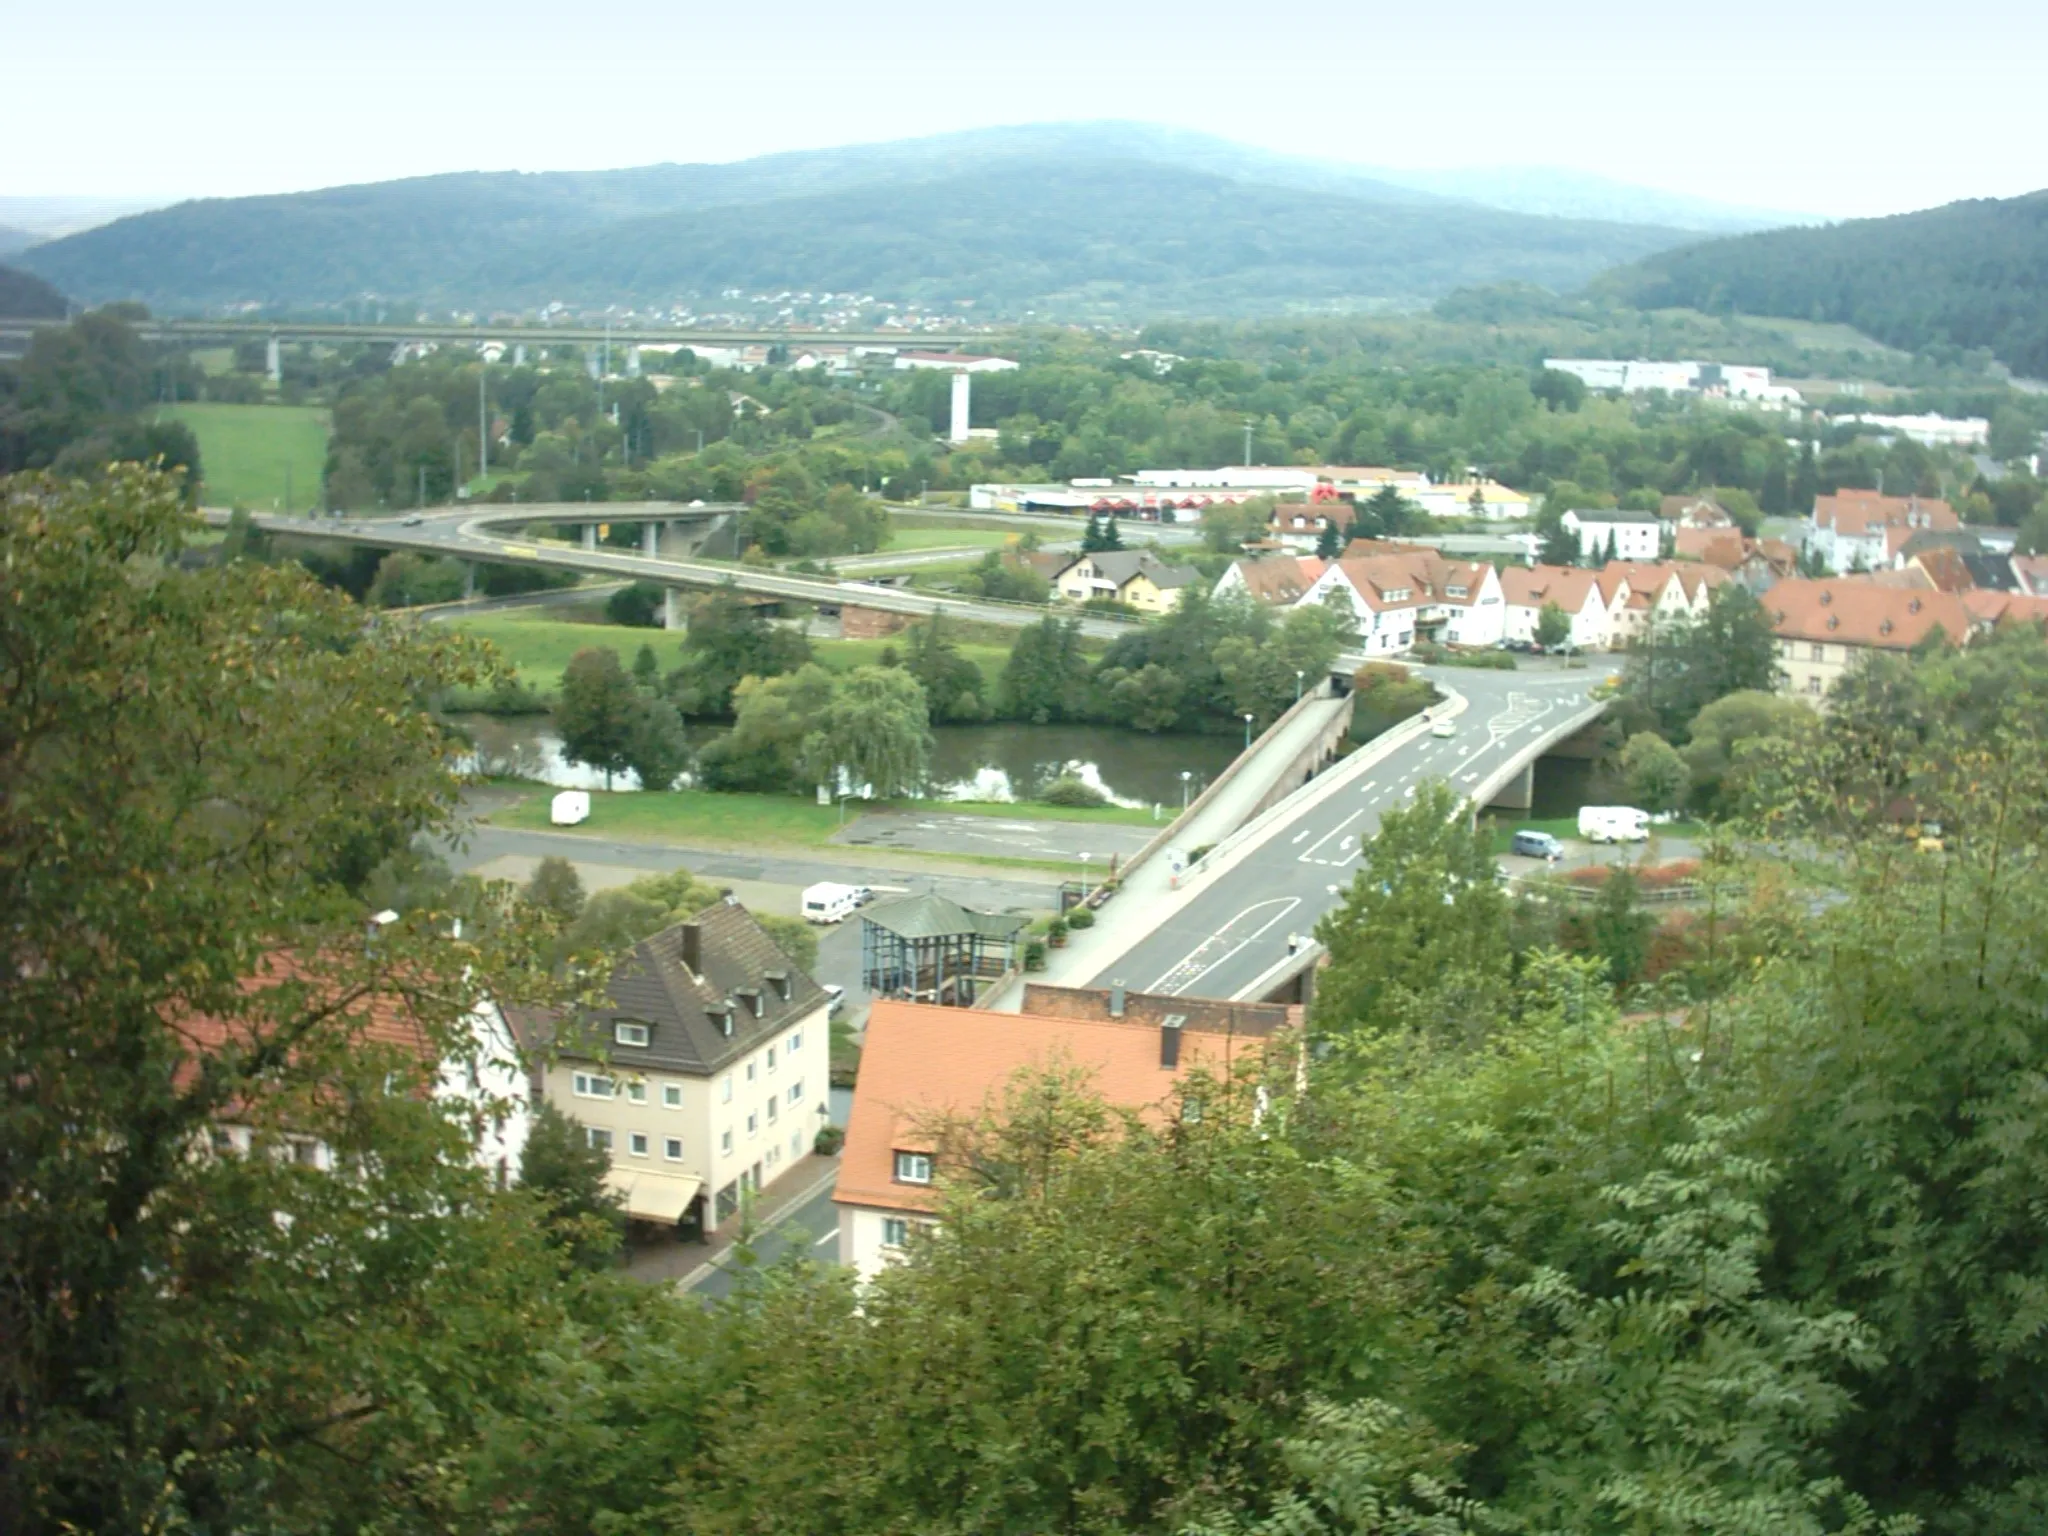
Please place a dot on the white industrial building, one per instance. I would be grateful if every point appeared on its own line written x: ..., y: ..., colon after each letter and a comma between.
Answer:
x: 1730, y: 381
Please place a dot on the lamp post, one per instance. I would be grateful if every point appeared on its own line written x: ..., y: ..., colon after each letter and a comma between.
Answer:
x: 1186, y: 774
x: 1247, y: 733
x: 1300, y: 674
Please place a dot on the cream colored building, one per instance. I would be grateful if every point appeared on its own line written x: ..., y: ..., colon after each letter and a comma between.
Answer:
x: 707, y: 1074
x: 1827, y: 628
x: 1137, y: 578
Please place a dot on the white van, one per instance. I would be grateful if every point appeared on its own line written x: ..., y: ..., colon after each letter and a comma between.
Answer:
x: 1613, y: 824
x: 570, y: 808
x: 826, y: 902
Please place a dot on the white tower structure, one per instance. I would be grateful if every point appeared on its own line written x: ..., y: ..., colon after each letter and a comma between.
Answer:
x: 963, y: 385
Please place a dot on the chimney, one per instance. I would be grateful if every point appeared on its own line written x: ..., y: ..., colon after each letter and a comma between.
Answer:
x: 693, y: 948
x: 1116, y: 1000
x: 1169, y: 1040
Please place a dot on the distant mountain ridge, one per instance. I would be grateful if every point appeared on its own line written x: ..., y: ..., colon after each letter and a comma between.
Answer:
x: 1090, y: 217
x: 1967, y: 275
x: 24, y: 296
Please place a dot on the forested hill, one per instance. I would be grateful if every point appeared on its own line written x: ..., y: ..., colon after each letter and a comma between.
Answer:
x: 1073, y: 220
x: 24, y: 296
x: 1970, y: 274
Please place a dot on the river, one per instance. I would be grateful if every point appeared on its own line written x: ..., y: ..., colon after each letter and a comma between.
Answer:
x: 969, y: 762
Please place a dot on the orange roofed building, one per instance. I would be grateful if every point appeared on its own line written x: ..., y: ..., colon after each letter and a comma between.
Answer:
x: 922, y: 1065
x: 1825, y: 628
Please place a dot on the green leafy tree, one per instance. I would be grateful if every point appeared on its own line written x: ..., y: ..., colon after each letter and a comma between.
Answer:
x: 727, y: 639
x: 875, y: 733
x: 793, y: 936
x: 1419, y: 942
x: 555, y: 888
x: 1046, y: 673
x: 1386, y: 514
x: 774, y: 719
x: 1724, y: 736
x: 1679, y: 668
x: 646, y: 669
x: 598, y: 712
x: 1653, y: 775
x: 1553, y: 626
x: 656, y: 748
x: 637, y: 605
x: 566, y: 1173
x: 199, y: 769
x: 952, y: 684
x: 1147, y: 700
x: 1330, y: 542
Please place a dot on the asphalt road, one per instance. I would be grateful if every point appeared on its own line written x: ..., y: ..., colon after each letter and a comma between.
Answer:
x: 1237, y: 927
x: 810, y: 1229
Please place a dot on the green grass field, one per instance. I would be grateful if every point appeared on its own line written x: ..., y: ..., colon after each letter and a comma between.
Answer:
x: 911, y: 539
x: 250, y: 453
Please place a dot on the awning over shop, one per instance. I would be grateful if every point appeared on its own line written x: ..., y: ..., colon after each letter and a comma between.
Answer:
x: 650, y: 1195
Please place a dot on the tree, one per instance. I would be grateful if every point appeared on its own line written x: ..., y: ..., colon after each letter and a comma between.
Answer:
x: 1724, y: 736
x: 1420, y: 941
x: 1264, y: 677
x: 598, y: 713
x: 1111, y: 538
x: 199, y: 772
x: 646, y: 670
x: 875, y: 733
x: 656, y: 748
x: 555, y: 888
x: 1553, y: 626
x: 1555, y: 543
x: 951, y: 683
x: 1653, y: 775
x: 1680, y: 667
x: 1094, y: 539
x: 727, y: 639
x: 774, y: 719
x: 1330, y: 541
x: 1386, y: 514
x: 793, y: 936
x: 1618, y: 929
x: 1147, y: 700
x: 566, y: 1173
x: 637, y: 605
x: 1043, y: 679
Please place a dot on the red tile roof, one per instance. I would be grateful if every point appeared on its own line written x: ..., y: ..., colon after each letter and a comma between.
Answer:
x: 922, y: 1063
x: 1849, y: 610
x: 1857, y: 512
x: 1280, y: 579
x: 1535, y: 585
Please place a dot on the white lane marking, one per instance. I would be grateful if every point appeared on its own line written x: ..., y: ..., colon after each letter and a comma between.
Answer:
x: 1366, y: 787
x: 1304, y: 832
x: 1308, y: 854
x: 1204, y: 957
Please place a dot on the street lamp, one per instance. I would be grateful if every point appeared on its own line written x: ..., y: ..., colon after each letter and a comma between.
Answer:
x: 1299, y: 675
x: 1247, y: 732
x: 1186, y: 774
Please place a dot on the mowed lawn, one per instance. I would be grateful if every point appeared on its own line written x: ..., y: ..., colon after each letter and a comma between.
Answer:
x: 909, y: 539
x: 541, y: 647
x: 249, y: 454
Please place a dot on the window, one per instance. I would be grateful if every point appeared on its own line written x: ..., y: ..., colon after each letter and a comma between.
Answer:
x: 753, y: 1070
x: 753, y: 1126
x: 1457, y: 591
x: 913, y: 1168
x: 672, y: 1149
x: 725, y: 1089
x: 672, y: 1095
x: 725, y: 1144
x: 796, y: 1091
x: 1813, y: 685
x: 1820, y: 653
x: 630, y: 1034
x: 637, y: 1144
x: 589, y: 1085
x: 796, y: 1043
x: 773, y: 1108
x: 637, y: 1092
x: 602, y: 1140
x: 771, y: 1058
x: 895, y: 1231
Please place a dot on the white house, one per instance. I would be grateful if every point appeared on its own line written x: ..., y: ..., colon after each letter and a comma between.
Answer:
x: 1640, y: 594
x: 1612, y: 535
x: 1579, y: 593
x: 1864, y: 530
x: 1400, y: 594
x: 1277, y: 581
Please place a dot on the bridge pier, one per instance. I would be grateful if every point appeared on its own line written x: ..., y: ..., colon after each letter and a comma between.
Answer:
x: 273, y: 361
x: 590, y: 536
x: 519, y: 354
x: 468, y: 580
x: 1519, y: 793
x: 672, y: 615
x: 650, y: 540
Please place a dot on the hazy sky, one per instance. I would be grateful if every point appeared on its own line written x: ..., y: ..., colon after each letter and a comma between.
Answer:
x: 1828, y: 107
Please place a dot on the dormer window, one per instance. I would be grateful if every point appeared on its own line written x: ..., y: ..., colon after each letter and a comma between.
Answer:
x: 631, y: 1034
x: 722, y: 1017
x: 779, y: 980
x: 753, y: 997
x: 1457, y: 591
x: 913, y: 1168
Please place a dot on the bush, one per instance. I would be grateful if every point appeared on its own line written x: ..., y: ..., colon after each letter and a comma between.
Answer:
x: 829, y: 1140
x: 509, y: 696
x: 1080, y: 918
x: 1070, y: 791
x: 637, y: 606
x: 1034, y: 954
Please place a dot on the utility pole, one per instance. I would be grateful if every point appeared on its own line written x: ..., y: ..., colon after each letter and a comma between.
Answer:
x: 1247, y: 442
x: 483, y: 424
x: 422, y: 501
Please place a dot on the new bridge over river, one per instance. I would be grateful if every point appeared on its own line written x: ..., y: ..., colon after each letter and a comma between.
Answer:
x: 1221, y: 928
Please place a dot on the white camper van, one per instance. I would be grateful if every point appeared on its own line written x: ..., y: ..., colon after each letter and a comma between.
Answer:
x: 826, y: 902
x: 570, y: 807
x: 1613, y: 824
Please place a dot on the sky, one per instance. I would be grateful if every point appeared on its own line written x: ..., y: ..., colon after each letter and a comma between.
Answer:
x: 1825, y: 107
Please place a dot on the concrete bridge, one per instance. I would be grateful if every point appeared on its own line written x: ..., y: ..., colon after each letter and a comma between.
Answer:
x: 1221, y: 927
x: 477, y: 535
x: 535, y: 336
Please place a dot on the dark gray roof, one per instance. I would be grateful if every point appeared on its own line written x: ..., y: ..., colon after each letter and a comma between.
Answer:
x: 1611, y: 515
x: 932, y: 916
x: 1991, y: 573
x: 738, y: 969
x: 1120, y: 565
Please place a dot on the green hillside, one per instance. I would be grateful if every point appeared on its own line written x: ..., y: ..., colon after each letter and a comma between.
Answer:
x: 24, y: 296
x: 250, y: 453
x: 1068, y: 219
x: 1968, y: 275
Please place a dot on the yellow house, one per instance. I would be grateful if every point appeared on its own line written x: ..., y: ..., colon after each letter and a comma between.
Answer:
x: 1137, y: 578
x: 703, y: 1074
